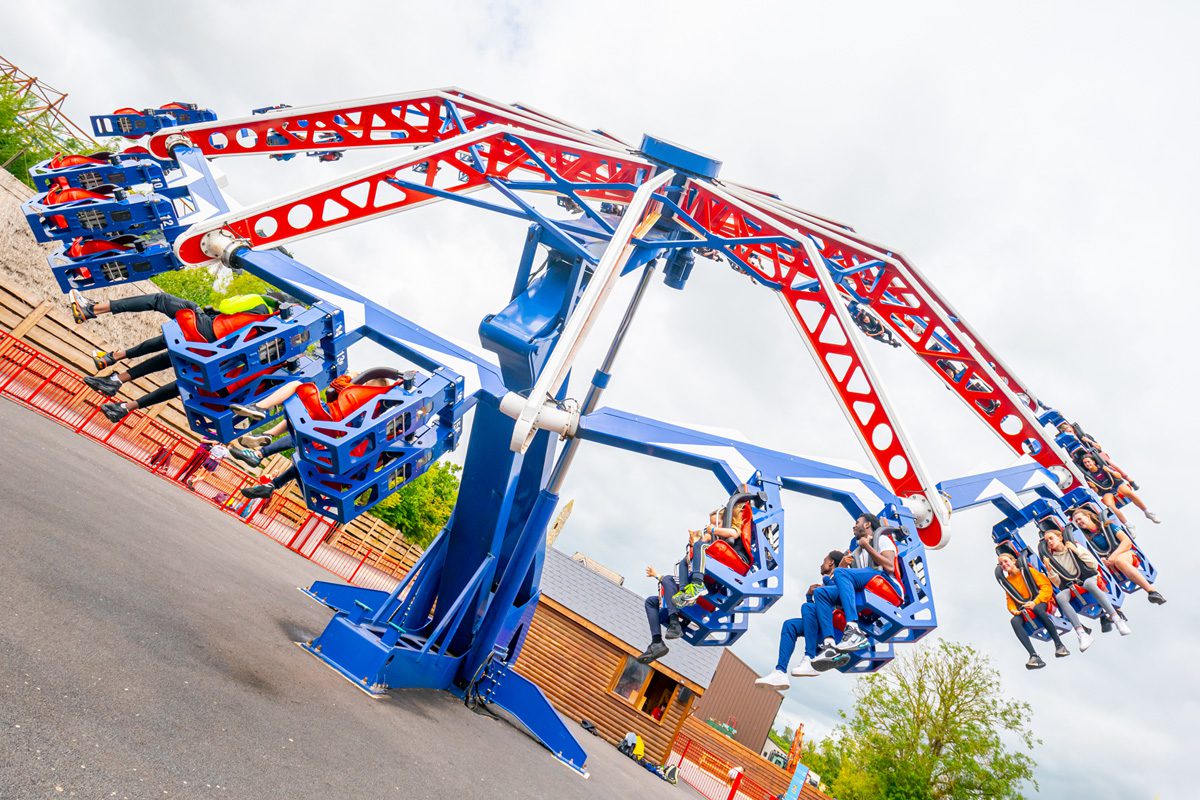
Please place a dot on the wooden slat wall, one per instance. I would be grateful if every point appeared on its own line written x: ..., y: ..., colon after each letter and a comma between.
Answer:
x: 575, y: 667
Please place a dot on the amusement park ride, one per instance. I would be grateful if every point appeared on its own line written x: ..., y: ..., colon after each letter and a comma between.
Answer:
x: 458, y: 619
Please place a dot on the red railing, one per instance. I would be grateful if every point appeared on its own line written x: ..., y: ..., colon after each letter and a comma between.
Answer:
x: 38, y: 382
x: 711, y: 775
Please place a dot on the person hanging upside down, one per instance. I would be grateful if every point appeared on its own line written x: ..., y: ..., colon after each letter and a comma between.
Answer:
x: 1106, y: 483
x: 664, y: 610
x: 873, y: 554
x: 357, y: 390
x: 1028, y: 593
x: 232, y: 314
x: 1115, y: 549
x: 805, y: 625
x: 1072, y: 569
x: 169, y: 305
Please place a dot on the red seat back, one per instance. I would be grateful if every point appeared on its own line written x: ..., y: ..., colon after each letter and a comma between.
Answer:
x: 723, y: 553
x: 881, y: 587
x: 187, y: 324
x: 225, y: 324
x: 353, y: 398
x: 748, y: 528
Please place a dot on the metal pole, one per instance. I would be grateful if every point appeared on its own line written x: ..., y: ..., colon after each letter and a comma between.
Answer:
x: 601, y: 378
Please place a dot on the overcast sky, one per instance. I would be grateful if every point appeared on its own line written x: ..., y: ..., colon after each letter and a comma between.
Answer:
x: 1037, y: 161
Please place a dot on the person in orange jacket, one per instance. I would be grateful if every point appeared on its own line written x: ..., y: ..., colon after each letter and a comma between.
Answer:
x: 1029, y: 603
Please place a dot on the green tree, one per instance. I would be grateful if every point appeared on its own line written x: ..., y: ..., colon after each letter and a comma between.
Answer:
x: 23, y: 145
x: 934, y: 725
x: 420, y: 509
x: 782, y: 738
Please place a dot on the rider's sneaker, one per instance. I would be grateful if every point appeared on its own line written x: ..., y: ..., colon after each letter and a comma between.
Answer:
x: 1131, y: 529
x: 774, y: 680
x: 852, y: 639
x: 246, y: 456
x: 829, y: 658
x: 674, y: 629
x: 81, y: 308
x: 248, y: 411
x: 1150, y: 515
x: 114, y: 411
x: 1156, y: 598
x: 1085, y: 639
x: 804, y: 669
x: 1123, y: 627
x: 1061, y: 651
x: 654, y: 652
x: 1035, y: 662
x: 688, y: 595
x: 259, y: 490
x: 254, y: 441
x: 102, y: 359
x: 106, y: 386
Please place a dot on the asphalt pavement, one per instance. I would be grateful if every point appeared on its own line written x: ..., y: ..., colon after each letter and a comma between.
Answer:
x: 146, y: 651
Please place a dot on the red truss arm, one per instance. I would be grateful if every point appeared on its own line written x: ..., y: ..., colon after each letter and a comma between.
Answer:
x: 448, y: 167
x: 824, y: 324
x: 1007, y: 377
x: 903, y: 302
x: 405, y: 120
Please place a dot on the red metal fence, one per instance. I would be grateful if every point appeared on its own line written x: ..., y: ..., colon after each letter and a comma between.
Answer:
x: 36, y: 381
x: 710, y: 774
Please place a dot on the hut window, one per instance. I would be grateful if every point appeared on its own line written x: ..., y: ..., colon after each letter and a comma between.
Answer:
x: 631, y: 679
x: 647, y: 690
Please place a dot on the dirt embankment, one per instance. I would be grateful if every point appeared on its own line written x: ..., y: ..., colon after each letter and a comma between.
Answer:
x: 23, y: 267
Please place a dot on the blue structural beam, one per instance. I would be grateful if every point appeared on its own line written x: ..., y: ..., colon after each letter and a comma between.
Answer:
x: 1000, y: 487
x: 735, y: 462
x: 366, y: 319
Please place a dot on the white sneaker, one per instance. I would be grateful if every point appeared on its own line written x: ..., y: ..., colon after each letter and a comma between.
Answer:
x: 1122, y: 626
x: 774, y: 680
x: 1085, y: 639
x: 1150, y: 515
x: 1131, y: 530
x: 804, y: 669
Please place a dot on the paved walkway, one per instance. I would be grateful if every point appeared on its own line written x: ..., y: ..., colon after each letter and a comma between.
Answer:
x: 146, y: 652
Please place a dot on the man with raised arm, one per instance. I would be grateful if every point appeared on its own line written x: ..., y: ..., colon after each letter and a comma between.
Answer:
x: 873, y: 553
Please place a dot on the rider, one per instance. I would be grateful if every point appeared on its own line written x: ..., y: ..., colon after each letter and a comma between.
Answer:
x: 1072, y: 567
x: 1028, y: 592
x: 664, y: 609
x: 1115, y: 549
x: 805, y: 625
x: 698, y: 542
x: 169, y: 305
x: 1109, y: 485
x: 873, y: 553
x: 363, y: 386
x: 1088, y: 445
x: 253, y: 305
